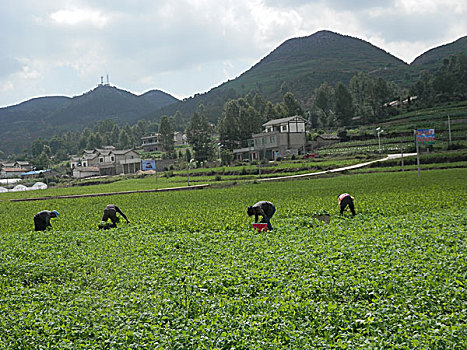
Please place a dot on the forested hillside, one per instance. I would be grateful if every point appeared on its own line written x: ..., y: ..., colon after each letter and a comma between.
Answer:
x: 335, y: 80
x: 47, y: 116
x: 301, y: 65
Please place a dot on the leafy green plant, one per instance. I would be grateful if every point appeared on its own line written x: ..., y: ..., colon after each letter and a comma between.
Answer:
x: 190, y: 272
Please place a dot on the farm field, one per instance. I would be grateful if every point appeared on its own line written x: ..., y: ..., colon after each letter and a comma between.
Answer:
x: 189, y: 272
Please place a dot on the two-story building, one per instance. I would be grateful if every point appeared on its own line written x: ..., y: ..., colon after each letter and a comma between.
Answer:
x: 105, y: 161
x: 180, y: 138
x: 280, y: 138
x: 153, y: 142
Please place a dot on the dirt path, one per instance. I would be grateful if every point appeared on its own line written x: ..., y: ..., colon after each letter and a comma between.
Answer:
x: 350, y: 167
x: 185, y: 188
x: 197, y: 187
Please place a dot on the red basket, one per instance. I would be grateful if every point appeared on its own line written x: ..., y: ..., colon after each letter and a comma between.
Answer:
x: 260, y: 226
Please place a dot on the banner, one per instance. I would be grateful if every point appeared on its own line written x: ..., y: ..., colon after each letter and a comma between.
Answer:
x: 425, y: 136
x: 148, y: 165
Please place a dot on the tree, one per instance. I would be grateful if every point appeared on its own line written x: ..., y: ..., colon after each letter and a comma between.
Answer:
x: 114, y: 135
x: 198, y: 135
x: 343, y: 105
x: 37, y: 146
x: 250, y: 123
x: 361, y: 86
x: 46, y: 150
x: 105, y: 126
x: 291, y: 105
x: 228, y: 126
x: 178, y: 121
x: 238, y: 122
x: 323, y: 102
x: 140, y: 129
x: 382, y: 92
x: 56, y: 143
x: 167, y: 134
x: 41, y: 162
x: 448, y: 83
x: 123, y: 139
x: 226, y: 157
x: 270, y: 112
x: 94, y: 141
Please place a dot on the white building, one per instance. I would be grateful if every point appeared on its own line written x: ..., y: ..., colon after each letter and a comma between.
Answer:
x: 280, y: 138
x: 107, y: 160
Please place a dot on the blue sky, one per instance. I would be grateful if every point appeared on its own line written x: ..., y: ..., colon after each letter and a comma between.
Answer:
x: 184, y: 47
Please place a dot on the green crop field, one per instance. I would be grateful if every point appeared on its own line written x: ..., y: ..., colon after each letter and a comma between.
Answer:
x: 188, y: 272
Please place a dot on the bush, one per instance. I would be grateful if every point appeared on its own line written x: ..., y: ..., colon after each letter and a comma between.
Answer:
x: 454, y: 146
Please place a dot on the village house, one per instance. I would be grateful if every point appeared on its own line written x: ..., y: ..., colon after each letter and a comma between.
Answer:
x: 14, y: 169
x: 280, y: 138
x: 9, y: 173
x: 324, y: 140
x: 179, y: 138
x: 105, y: 161
x: 153, y: 142
x: 23, y: 164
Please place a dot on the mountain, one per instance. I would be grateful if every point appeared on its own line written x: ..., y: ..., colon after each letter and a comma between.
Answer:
x: 43, y: 117
x: 105, y: 102
x: 309, y: 61
x: 158, y: 98
x: 301, y: 65
x: 436, y: 55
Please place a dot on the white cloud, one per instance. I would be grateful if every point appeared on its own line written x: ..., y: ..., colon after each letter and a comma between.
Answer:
x: 79, y: 16
x: 6, y: 86
x: 420, y: 7
x: 190, y: 46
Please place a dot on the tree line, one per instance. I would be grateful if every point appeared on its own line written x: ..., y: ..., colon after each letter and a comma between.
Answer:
x: 363, y: 101
x: 447, y: 83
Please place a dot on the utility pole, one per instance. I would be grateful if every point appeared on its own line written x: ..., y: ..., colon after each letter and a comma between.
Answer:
x: 449, y: 128
x: 378, y: 132
x: 188, y: 164
x: 418, y: 152
x: 402, y: 157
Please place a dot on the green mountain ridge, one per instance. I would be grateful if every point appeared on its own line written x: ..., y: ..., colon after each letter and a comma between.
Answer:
x: 298, y: 65
x: 435, y: 55
x: 323, y: 56
x: 45, y: 116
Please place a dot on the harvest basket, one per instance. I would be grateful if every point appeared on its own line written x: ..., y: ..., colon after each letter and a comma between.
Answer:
x: 260, y: 226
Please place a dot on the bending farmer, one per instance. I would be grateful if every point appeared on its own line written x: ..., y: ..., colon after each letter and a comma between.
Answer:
x: 345, y: 200
x: 110, y: 212
x: 265, y: 209
x: 42, y: 219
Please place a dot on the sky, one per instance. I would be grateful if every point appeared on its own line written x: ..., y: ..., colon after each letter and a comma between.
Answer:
x: 185, y: 47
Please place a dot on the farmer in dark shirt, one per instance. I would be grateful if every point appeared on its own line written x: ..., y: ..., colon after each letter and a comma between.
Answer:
x: 265, y: 209
x: 345, y: 200
x: 42, y: 219
x: 110, y: 212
